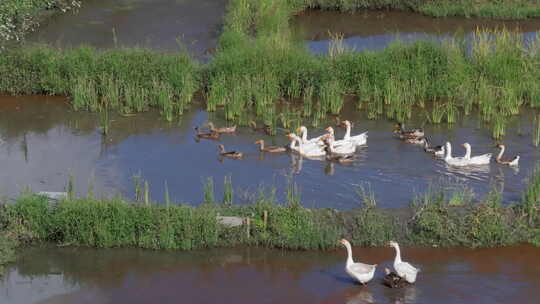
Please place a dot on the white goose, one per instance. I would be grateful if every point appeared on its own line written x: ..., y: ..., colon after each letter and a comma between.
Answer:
x: 346, y: 147
x: 454, y: 161
x: 337, y: 143
x: 307, y: 150
x: 360, y: 139
x: 361, y: 272
x: 305, y: 140
x: 483, y: 159
x: 403, y: 269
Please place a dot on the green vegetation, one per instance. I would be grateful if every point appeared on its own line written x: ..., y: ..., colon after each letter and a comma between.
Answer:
x: 498, y: 9
x: 259, y: 63
x: 17, y: 17
x: 124, y: 80
x: 443, y: 216
x: 7, y: 251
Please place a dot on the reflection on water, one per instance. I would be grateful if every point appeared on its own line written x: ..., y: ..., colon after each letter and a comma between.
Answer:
x: 254, y: 275
x: 374, y: 30
x: 156, y: 24
x: 44, y: 142
x: 362, y: 296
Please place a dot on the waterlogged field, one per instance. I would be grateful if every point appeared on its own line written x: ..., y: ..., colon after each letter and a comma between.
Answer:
x: 44, y: 142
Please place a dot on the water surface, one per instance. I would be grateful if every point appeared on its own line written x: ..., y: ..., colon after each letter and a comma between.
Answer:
x: 251, y: 275
x: 44, y: 142
x: 375, y: 30
x: 161, y: 25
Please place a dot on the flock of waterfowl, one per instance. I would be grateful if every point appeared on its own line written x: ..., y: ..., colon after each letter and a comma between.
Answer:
x: 404, y: 273
x: 342, y: 151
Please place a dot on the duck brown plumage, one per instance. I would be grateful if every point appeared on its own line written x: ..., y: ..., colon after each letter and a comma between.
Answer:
x: 229, y: 154
x: 222, y: 129
x: 211, y: 135
x: 403, y: 133
x: 271, y: 149
x: 392, y: 280
x: 265, y: 129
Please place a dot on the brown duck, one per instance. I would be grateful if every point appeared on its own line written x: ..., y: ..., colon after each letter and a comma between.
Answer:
x: 271, y: 149
x: 222, y: 129
x: 211, y: 135
x: 229, y: 154
x: 265, y: 129
x: 392, y: 280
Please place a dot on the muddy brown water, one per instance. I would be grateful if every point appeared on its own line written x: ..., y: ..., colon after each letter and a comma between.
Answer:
x: 374, y: 30
x: 250, y: 275
x: 156, y: 24
x: 44, y: 142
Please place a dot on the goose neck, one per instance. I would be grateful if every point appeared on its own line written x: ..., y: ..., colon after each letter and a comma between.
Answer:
x: 501, y: 153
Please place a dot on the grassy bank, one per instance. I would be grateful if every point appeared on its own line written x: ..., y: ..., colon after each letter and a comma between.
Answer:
x: 18, y: 17
x: 498, y: 9
x: 442, y: 217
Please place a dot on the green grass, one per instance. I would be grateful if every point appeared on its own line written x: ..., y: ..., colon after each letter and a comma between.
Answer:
x: 259, y: 63
x: 496, y: 9
x: 444, y: 216
x: 125, y: 80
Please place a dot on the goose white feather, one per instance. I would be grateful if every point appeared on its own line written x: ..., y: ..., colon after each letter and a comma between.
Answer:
x: 454, y: 161
x: 359, y: 140
x: 361, y: 272
x: 483, y: 159
x: 403, y: 269
x: 347, y: 147
x: 305, y: 140
x: 307, y: 150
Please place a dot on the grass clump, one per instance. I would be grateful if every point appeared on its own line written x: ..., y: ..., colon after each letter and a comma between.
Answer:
x: 127, y: 80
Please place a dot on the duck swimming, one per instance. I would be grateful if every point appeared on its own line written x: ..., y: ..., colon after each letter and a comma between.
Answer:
x: 265, y: 129
x: 211, y: 135
x: 437, y: 150
x: 403, y: 133
x: 229, y: 154
x: 222, y: 129
x: 506, y: 161
x: 333, y: 157
x: 271, y: 149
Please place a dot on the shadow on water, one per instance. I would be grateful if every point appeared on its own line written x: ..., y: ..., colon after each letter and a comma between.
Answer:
x: 44, y: 142
x: 374, y: 30
x: 254, y: 275
x: 156, y: 24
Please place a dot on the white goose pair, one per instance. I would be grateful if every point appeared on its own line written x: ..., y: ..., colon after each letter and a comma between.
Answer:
x: 363, y: 273
x: 465, y: 160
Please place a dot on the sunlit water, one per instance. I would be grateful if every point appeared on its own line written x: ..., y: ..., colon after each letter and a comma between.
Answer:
x: 249, y: 275
x: 44, y: 142
x: 375, y: 30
